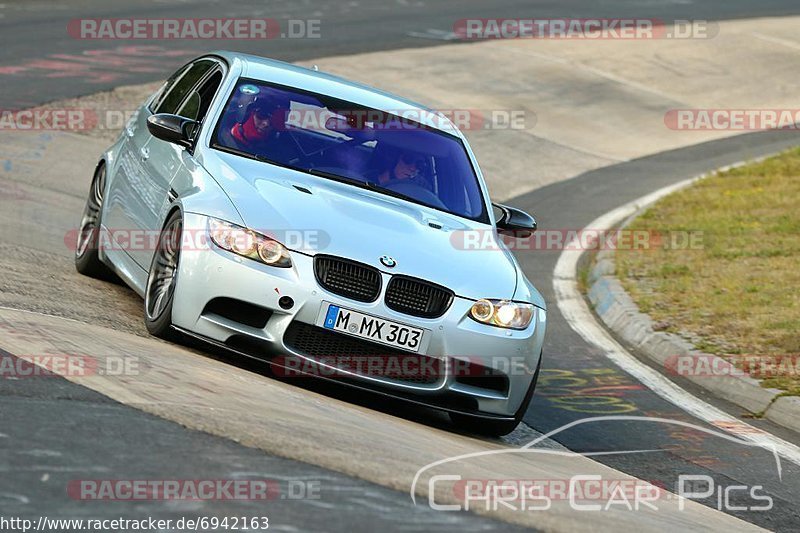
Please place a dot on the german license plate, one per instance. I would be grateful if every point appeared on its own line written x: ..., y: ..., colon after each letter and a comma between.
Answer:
x: 373, y: 328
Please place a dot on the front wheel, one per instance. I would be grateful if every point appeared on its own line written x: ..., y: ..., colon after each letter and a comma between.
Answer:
x: 87, y: 260
x: 497, y: 428
x: 160, y: 290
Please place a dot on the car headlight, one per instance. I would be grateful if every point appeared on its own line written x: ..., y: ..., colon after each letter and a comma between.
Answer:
x: 502, y: 313
x: 248, y: 243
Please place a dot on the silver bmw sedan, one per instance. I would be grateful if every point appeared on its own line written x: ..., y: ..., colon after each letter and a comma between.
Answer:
x: 327, y: 227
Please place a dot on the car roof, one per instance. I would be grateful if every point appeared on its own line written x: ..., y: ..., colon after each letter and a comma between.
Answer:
x: 279, y: 72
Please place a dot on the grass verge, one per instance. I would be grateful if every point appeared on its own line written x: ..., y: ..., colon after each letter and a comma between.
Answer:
x: 734, y: 290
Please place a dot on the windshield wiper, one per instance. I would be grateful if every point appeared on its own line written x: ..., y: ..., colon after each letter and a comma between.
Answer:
x: 336, y: 177
x: 388, y: 192
x: 236, y: 151
x: 256, y: 157
x: 364, y: 184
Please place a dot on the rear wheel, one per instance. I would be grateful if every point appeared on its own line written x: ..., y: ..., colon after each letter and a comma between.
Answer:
x: 160, y: 290
x: 87, y: 260
x: 497, y: 428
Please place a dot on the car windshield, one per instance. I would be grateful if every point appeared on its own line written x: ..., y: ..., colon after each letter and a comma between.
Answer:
x: 336, y: 139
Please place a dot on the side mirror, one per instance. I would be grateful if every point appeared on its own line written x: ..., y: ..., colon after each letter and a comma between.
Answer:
x: 172, y: 128
x: 515, y: 222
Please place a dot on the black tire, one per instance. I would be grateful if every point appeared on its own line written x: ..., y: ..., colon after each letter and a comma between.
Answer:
x: 87, y: 260
x: 159, y: 293
x: 497, y: 428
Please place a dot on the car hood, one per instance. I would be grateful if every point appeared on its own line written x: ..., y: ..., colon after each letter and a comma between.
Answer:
x: 344, y: 220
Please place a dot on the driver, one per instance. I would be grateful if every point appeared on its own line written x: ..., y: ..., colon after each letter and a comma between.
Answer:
x: 259, y: 132
x: 406, y: 167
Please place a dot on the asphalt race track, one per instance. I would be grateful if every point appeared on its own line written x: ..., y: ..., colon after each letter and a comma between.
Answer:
x: 109, y: 439
x: 36, y: 47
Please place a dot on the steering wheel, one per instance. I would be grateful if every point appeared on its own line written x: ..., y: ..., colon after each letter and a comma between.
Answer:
x: 415, y: 191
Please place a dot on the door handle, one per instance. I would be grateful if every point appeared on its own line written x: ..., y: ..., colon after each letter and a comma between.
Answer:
x: 145, y: 153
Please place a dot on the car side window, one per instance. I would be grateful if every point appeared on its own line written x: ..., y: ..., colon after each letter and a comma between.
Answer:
x: 184, y: 83
x: 166, y: 86
x: 197, y: 103
x: 191, y: 106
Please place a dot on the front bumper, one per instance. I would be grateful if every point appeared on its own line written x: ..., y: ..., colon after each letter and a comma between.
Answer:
x: 209, y: 273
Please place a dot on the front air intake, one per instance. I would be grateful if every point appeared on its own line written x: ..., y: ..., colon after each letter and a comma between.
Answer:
x: 350, y: 279
x: 417, y: 297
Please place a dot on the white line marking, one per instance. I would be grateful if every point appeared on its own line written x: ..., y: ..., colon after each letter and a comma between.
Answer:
x: 566, y: 452
x: 576, y: 148
x: 599, y: 72
x: 436, y: 35
x: 17, y: 497
x: 577, y: 314
x: 776, y: 40
x: 38, y: 313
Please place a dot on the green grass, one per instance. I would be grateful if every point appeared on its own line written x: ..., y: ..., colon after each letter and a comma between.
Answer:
x: 739, y: 293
